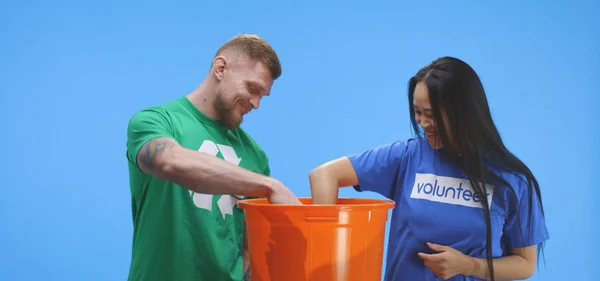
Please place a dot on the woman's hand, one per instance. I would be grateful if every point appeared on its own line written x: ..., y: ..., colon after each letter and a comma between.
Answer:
x: 448, y: 262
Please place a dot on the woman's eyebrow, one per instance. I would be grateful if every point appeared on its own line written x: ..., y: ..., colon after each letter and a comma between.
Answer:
x: 425, y: 109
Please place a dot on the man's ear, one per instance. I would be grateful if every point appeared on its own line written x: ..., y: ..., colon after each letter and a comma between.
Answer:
x: 219, y: 64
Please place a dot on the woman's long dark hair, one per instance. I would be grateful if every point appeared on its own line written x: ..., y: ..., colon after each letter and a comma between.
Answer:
x: 473, y: 143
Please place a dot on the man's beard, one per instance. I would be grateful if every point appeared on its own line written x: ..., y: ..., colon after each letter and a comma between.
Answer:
x: 227, y: 115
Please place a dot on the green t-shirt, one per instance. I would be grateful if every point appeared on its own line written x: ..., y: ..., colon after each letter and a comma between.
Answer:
x: 179, y: 235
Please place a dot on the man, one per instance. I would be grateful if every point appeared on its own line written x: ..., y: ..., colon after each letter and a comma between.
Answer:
x: 189, y: 162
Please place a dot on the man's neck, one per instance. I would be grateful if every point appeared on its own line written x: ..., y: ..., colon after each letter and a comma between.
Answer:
x: 203, y: 98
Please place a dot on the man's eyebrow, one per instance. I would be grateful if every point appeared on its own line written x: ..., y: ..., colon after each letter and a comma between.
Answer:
x: 257, y: 85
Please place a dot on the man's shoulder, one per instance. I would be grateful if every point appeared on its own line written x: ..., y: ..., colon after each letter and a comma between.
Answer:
x: 162, y: 108
x: 162, y: 113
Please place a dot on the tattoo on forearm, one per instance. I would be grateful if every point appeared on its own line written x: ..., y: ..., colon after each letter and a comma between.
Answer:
x: 153, y: 151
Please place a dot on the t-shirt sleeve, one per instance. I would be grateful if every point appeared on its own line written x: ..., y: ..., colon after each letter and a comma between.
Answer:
x: 522, y: 229
x: 266, y: 167
x: 144, y: 126
x: 378, y: 168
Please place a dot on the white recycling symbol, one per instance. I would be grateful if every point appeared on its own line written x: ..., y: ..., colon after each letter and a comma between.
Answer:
x: 226, y: 202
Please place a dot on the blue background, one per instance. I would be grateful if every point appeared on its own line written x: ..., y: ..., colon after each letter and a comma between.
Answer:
x: 73, y: 73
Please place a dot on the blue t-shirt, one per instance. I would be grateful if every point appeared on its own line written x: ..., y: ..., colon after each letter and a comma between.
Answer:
x: 435, y: 203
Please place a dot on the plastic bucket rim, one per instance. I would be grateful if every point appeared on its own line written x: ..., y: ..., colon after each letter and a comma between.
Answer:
x: 368, y: 204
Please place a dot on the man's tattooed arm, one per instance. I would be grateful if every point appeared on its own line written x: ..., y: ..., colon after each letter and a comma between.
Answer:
x: 151, y: 157
x: 164, y: 158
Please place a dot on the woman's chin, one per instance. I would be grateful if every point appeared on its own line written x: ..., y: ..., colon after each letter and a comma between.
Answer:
x: 434, y: 141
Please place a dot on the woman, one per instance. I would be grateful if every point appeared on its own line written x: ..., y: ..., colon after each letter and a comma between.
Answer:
x: 446, y: 223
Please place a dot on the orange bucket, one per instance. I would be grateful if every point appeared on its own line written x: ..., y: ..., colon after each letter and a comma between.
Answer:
x: 342, y: 242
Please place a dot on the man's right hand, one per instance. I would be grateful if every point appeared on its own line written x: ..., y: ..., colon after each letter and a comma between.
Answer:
x: 280, y: 194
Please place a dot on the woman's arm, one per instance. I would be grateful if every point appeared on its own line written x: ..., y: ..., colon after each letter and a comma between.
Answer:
x: 523, y: 234
x: 375, y: 170
x: 449, y: 262
x: 328, y: 177
x: 520, y: 265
